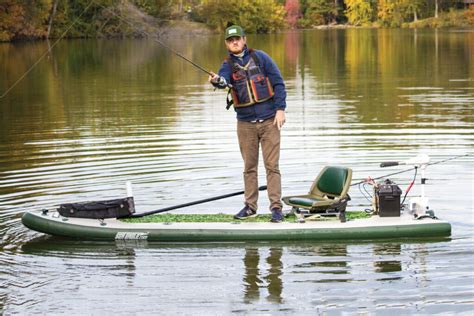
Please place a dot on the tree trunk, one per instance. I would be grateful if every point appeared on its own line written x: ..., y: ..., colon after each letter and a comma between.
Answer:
x: 51, y: 17
x: 415, y: 16
x: 436, y: 8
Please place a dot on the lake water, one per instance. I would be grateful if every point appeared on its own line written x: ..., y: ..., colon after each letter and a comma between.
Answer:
x: 94, y: 114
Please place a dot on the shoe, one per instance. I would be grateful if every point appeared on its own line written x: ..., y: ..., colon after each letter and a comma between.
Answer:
x: 277, y: 215
x: 244, y: 213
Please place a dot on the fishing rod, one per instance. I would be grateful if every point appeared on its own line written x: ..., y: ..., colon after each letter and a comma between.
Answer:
x: 221, y: 79
x: 166, y: 209
x: 419, y: 206
x: 395, y: 163
x: 262, y: 188
x: 158, y: 41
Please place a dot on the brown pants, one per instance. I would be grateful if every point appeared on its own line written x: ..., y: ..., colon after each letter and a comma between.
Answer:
x: 251, y: 135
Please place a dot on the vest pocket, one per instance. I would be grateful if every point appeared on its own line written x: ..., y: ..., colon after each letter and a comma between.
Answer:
x: 261, y: 88
x: 241, y: 93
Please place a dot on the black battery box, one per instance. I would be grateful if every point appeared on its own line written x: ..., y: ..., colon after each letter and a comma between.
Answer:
x: 388, y: 198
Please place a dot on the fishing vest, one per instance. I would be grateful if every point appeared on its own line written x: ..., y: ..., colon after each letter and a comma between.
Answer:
x: 249, y: 84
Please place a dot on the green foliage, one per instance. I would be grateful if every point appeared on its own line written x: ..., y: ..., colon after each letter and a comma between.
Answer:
x: 29, y: 19
x: 165, y: 9
x: 414, y: 8
x: 359, y: 12
x: 255, y: 16
x: 88, y: 17
x: 318, y: 12
x: 452, y: 18
x: 393, y: 13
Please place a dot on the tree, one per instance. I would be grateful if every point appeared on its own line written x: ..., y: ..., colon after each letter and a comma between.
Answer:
x: 359, y: 12
x: 23, y: 19
x: 51, y: 17
x: 385, y: 11
x: 317, y: 12
x: 393, y: 13
x: 414, y: 7
x: 255, y: 16
x: 293, y: 13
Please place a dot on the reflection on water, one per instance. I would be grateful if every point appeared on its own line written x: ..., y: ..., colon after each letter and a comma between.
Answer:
x: 97, y: 113
x: 281, y: 277
x: 254, y: 281
x: 387, y: 265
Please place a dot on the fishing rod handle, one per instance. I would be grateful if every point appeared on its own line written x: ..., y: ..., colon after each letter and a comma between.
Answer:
x: 389, y: 164
x: 223, y: 83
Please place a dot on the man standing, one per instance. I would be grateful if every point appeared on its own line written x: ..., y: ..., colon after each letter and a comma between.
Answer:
x: 259, y: 99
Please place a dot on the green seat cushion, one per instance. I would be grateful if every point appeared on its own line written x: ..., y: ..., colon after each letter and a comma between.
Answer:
x: 332, y: 180
x: 302, y: 201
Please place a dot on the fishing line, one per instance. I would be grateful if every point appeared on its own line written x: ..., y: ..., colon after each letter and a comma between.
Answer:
x: 122, y: 19
x: 46, y: 52
x: 384, y: 176
x: 455, y: 157
x: 158, y: 41
x: 406, y: 170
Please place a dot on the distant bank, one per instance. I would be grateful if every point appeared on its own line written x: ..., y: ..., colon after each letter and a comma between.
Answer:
x: 141, y: 18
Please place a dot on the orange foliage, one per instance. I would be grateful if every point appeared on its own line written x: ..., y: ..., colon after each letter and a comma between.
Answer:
x: 470, y: 15
x: 19, y: 19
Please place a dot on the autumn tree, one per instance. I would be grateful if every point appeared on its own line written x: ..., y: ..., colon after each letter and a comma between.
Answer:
x: 393, y: 13
x: 293, y: 12
x: 359, y: 12
x: 256, y: 16
x: 23, y: 19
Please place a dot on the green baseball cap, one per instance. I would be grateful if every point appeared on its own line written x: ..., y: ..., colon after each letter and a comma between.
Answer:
x: 234, y: 31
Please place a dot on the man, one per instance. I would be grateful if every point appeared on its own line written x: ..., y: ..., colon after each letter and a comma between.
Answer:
x: 259, y: 99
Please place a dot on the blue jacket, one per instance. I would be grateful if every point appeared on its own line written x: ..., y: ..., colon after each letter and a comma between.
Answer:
x: 267, y: 109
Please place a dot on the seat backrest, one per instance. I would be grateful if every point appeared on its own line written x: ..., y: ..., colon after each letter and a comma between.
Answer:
x: 332, y: 181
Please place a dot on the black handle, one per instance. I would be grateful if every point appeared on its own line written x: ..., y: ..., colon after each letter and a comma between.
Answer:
x: 166, y: 209
x: 389, y: 164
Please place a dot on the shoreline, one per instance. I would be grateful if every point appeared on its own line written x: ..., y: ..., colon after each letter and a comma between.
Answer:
x: 146, y: 26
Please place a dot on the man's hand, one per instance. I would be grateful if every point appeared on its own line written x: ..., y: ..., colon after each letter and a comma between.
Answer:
x: 218, y: 81
x: 279, y: 119
x: 213, y: 78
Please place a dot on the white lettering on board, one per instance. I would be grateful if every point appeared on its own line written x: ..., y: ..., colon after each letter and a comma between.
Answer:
x: 131, y: 236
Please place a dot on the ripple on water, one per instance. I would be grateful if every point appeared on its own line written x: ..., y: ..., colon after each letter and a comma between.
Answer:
x: 172, y: 138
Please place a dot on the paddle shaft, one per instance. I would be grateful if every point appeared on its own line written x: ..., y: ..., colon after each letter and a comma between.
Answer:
x: 166, y: 209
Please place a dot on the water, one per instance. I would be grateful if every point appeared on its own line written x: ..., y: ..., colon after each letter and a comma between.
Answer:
x: 95, y: 114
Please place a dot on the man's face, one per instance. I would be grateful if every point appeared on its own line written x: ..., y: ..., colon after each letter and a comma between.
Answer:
x: 235, y: 44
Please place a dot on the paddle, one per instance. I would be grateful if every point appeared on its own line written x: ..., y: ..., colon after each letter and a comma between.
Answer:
x: 166, y: 209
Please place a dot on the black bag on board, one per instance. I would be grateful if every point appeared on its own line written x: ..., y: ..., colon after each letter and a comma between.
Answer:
x: 99, y: 209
